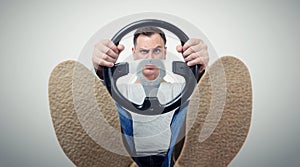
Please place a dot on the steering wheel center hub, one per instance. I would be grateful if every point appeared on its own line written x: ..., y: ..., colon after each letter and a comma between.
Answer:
x: 151, y: 86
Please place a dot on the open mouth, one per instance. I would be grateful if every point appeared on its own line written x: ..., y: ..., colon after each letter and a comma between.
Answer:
x: 150, y: 66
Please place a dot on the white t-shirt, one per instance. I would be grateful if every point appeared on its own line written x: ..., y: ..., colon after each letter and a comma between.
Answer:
x: 151, y: 133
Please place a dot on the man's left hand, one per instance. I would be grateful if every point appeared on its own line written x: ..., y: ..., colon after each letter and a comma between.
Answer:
x: 195, y: 52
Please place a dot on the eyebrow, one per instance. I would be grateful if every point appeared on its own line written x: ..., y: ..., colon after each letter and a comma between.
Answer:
x: 158, y: 47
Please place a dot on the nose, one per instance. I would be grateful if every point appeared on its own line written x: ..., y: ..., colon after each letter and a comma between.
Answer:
x: 150, y: 55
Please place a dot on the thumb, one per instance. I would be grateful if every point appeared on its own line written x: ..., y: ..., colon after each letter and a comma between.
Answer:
x: 120, y: 48
x: 179, y: 48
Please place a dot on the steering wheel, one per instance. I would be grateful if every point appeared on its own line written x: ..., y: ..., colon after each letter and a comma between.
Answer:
x: 151, y: 105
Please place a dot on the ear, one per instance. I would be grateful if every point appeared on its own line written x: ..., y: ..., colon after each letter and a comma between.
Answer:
x: 133, y: 53
x: 165, y: 52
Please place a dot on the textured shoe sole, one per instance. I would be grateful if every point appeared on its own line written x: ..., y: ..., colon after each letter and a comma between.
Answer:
x: 223, y: 107
x: 85, y: 118
x: 88, y: 128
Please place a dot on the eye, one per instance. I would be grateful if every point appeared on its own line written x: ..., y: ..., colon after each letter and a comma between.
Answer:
x: 157, y: 51
x: 144, y: 51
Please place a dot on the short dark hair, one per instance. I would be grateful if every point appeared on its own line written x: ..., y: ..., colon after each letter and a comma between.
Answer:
x: 148, y: 31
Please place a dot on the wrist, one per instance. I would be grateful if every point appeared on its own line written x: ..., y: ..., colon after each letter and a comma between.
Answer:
x: 99, y: 72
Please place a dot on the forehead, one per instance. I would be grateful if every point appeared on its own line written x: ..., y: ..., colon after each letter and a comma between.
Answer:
x: 151, y: 41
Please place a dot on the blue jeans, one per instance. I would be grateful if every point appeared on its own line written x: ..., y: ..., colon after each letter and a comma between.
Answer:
x: 177, y: 127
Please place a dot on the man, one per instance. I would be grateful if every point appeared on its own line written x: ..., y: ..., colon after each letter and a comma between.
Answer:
x: 151, y: 139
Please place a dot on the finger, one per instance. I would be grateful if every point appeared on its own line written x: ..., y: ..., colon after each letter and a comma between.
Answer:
x: 191, y: 42
x: 108, y: 51
x: 104, y: 63
x: 191, y: 57
x: 108, y: 47
x: 108, y: 43
x: 111, y: 55
x: 107, y: 60
x: 200, y: 58
x: 192, y: 49
x: 104, y: 59
x: 99, y: 63
x: 196, y: 61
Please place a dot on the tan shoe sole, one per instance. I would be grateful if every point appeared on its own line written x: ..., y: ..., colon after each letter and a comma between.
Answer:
x: 223, y: 108
x: 85, y: 119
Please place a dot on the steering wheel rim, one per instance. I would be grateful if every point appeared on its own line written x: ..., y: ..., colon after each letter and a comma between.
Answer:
x: 151, y: 105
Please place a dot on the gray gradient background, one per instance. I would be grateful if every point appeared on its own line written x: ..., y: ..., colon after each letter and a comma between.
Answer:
x: 35, y: 36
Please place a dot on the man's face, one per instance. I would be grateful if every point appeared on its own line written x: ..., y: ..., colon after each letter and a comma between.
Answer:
x: 149, y: 47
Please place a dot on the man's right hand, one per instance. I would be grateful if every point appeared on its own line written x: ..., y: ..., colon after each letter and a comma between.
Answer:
x: 105, y: 54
